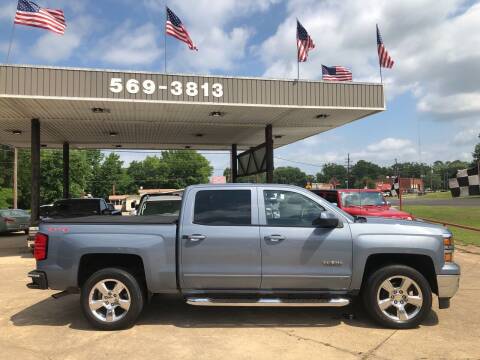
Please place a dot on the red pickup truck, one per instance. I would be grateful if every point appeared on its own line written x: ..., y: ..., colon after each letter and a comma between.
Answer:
x: 362, y: 202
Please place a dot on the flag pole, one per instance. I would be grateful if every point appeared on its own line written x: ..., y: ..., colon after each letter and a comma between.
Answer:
x: 10, y: 44
x: 165, y: 37
x: 379, y: 62
x: 296, y: 55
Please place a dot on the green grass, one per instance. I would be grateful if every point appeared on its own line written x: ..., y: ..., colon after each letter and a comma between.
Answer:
x: 468, y: 216
x: 434, y: 196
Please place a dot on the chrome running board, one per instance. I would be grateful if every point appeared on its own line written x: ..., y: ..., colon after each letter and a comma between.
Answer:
x: 203, y: 301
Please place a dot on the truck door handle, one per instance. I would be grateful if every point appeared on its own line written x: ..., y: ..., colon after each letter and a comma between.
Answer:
x: 275, y: 238
x: 196, y: 237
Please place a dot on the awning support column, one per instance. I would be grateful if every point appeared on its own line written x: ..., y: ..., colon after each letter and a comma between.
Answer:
x: 66, y: 170
x: 269, y: 153
x: 35, y: 158
x: 233, y: 164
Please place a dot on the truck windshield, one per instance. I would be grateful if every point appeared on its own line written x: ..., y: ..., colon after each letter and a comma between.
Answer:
x: 363, y: 199
x: 166, y: 207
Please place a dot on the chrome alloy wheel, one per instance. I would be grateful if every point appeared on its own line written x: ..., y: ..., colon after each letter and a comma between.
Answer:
x: 109, y: 300
x: 400, y: 298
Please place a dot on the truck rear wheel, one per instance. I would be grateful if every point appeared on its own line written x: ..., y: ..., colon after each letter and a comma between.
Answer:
x: 397, y: 296
x: 112, y: 299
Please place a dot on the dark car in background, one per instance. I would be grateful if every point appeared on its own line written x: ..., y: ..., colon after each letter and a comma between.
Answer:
x: 67, y: 208
x: 12, y: 220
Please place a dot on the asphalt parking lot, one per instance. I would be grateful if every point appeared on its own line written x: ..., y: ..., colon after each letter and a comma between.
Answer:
x: 35, y: 326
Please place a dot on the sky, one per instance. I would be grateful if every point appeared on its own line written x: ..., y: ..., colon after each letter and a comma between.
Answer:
x: 432, y: 92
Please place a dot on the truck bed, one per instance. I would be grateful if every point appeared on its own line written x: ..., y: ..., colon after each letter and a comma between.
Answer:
x: 106, y: 219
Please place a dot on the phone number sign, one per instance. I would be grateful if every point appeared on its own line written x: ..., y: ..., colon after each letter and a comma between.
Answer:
x: 176, y: 88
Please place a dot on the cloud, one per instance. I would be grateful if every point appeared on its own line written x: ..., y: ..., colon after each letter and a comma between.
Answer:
x: 389, y: 144
x: 210, y: 56
x: 55, y: 48
x: 130, y: 45
x: 468, y: 135
x: 222, y: 45
x: 433, y: 43
x: 7, y: 11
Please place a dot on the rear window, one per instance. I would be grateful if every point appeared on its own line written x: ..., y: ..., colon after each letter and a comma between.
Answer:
x: 223, y: 207
x: 167, y: 207
x: 75, y: 207
x: 14, y: 213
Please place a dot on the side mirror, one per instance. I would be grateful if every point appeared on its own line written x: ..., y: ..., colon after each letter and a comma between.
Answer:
x: 388, y: 203
x: 327, y: 223
x: 106, y: 212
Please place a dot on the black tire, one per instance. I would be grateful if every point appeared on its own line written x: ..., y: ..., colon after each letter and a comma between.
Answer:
x: 371, y: 290
x: 134, y: 293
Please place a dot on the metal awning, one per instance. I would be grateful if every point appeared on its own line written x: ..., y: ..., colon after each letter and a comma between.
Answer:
x: 90, y: 108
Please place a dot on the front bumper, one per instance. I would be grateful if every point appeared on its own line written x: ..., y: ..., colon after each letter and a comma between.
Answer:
x: 39, y: 280
x: 447, y: 285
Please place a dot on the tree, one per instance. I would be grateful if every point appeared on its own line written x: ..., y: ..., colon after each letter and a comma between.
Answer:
x: 364, y: 173
x: 331, y: 172
x: 109, y: 176
x: 185, y: 167
x: 476, y: 154
x: 289, y: 175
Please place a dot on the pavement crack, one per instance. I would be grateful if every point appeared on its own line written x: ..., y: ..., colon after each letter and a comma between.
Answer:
x: 371, y: 351
x: 303, y: 338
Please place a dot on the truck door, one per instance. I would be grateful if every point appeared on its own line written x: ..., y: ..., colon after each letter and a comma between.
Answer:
x: 220, y: 239
x: 295, y: 254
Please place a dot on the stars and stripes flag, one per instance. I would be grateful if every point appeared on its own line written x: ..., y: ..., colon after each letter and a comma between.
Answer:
x: 383, y: 58
x: 175, y: 28
x: 30, y: 14
x: 336, y: 73
x: 304, y: 43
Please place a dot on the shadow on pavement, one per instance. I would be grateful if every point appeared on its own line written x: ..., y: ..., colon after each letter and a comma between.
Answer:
x: 14, y: 244
x: 174, y: 311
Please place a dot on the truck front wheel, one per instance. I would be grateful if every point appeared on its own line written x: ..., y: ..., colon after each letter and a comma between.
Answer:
x: 112, y: 299
x: 397, y: 296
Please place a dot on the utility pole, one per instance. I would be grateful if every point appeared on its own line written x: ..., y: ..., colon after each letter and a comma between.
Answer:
x: 348, y: 171
x: 15, y: 182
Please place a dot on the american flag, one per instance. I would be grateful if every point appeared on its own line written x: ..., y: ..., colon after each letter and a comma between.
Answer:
x: 30, y: 14
x: 304, y: 43
x: 175, y: 28
x: 383, y: 58
x: 336, y: 73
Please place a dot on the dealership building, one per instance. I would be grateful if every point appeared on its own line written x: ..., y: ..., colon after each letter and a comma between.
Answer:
x: 46, y: 107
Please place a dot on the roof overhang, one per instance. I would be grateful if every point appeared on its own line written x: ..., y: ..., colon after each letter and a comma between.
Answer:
x: 78, y: 106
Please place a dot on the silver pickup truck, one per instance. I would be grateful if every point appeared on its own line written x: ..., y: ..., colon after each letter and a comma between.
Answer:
x: 248, y: 245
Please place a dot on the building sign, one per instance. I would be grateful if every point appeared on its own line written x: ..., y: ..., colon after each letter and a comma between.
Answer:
x: 177, y: 88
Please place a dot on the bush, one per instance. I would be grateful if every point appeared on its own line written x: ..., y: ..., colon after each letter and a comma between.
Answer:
x: 6, y: 198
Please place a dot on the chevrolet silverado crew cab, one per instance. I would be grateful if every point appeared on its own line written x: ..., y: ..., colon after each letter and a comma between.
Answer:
x: 248, y: 245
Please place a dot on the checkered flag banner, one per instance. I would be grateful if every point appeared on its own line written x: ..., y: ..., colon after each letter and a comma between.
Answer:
x: 466, y: 183
x: 395, y: 187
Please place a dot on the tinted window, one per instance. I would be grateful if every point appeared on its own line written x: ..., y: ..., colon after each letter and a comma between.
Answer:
x: 75, y: 207
x: 287, y: 208
x: 167, y: 207
x: 223, y: 207
x: 330, y: 196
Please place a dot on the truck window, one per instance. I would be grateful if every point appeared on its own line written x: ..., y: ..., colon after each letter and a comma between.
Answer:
x: 288, y: 208
x: 223, y: 207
